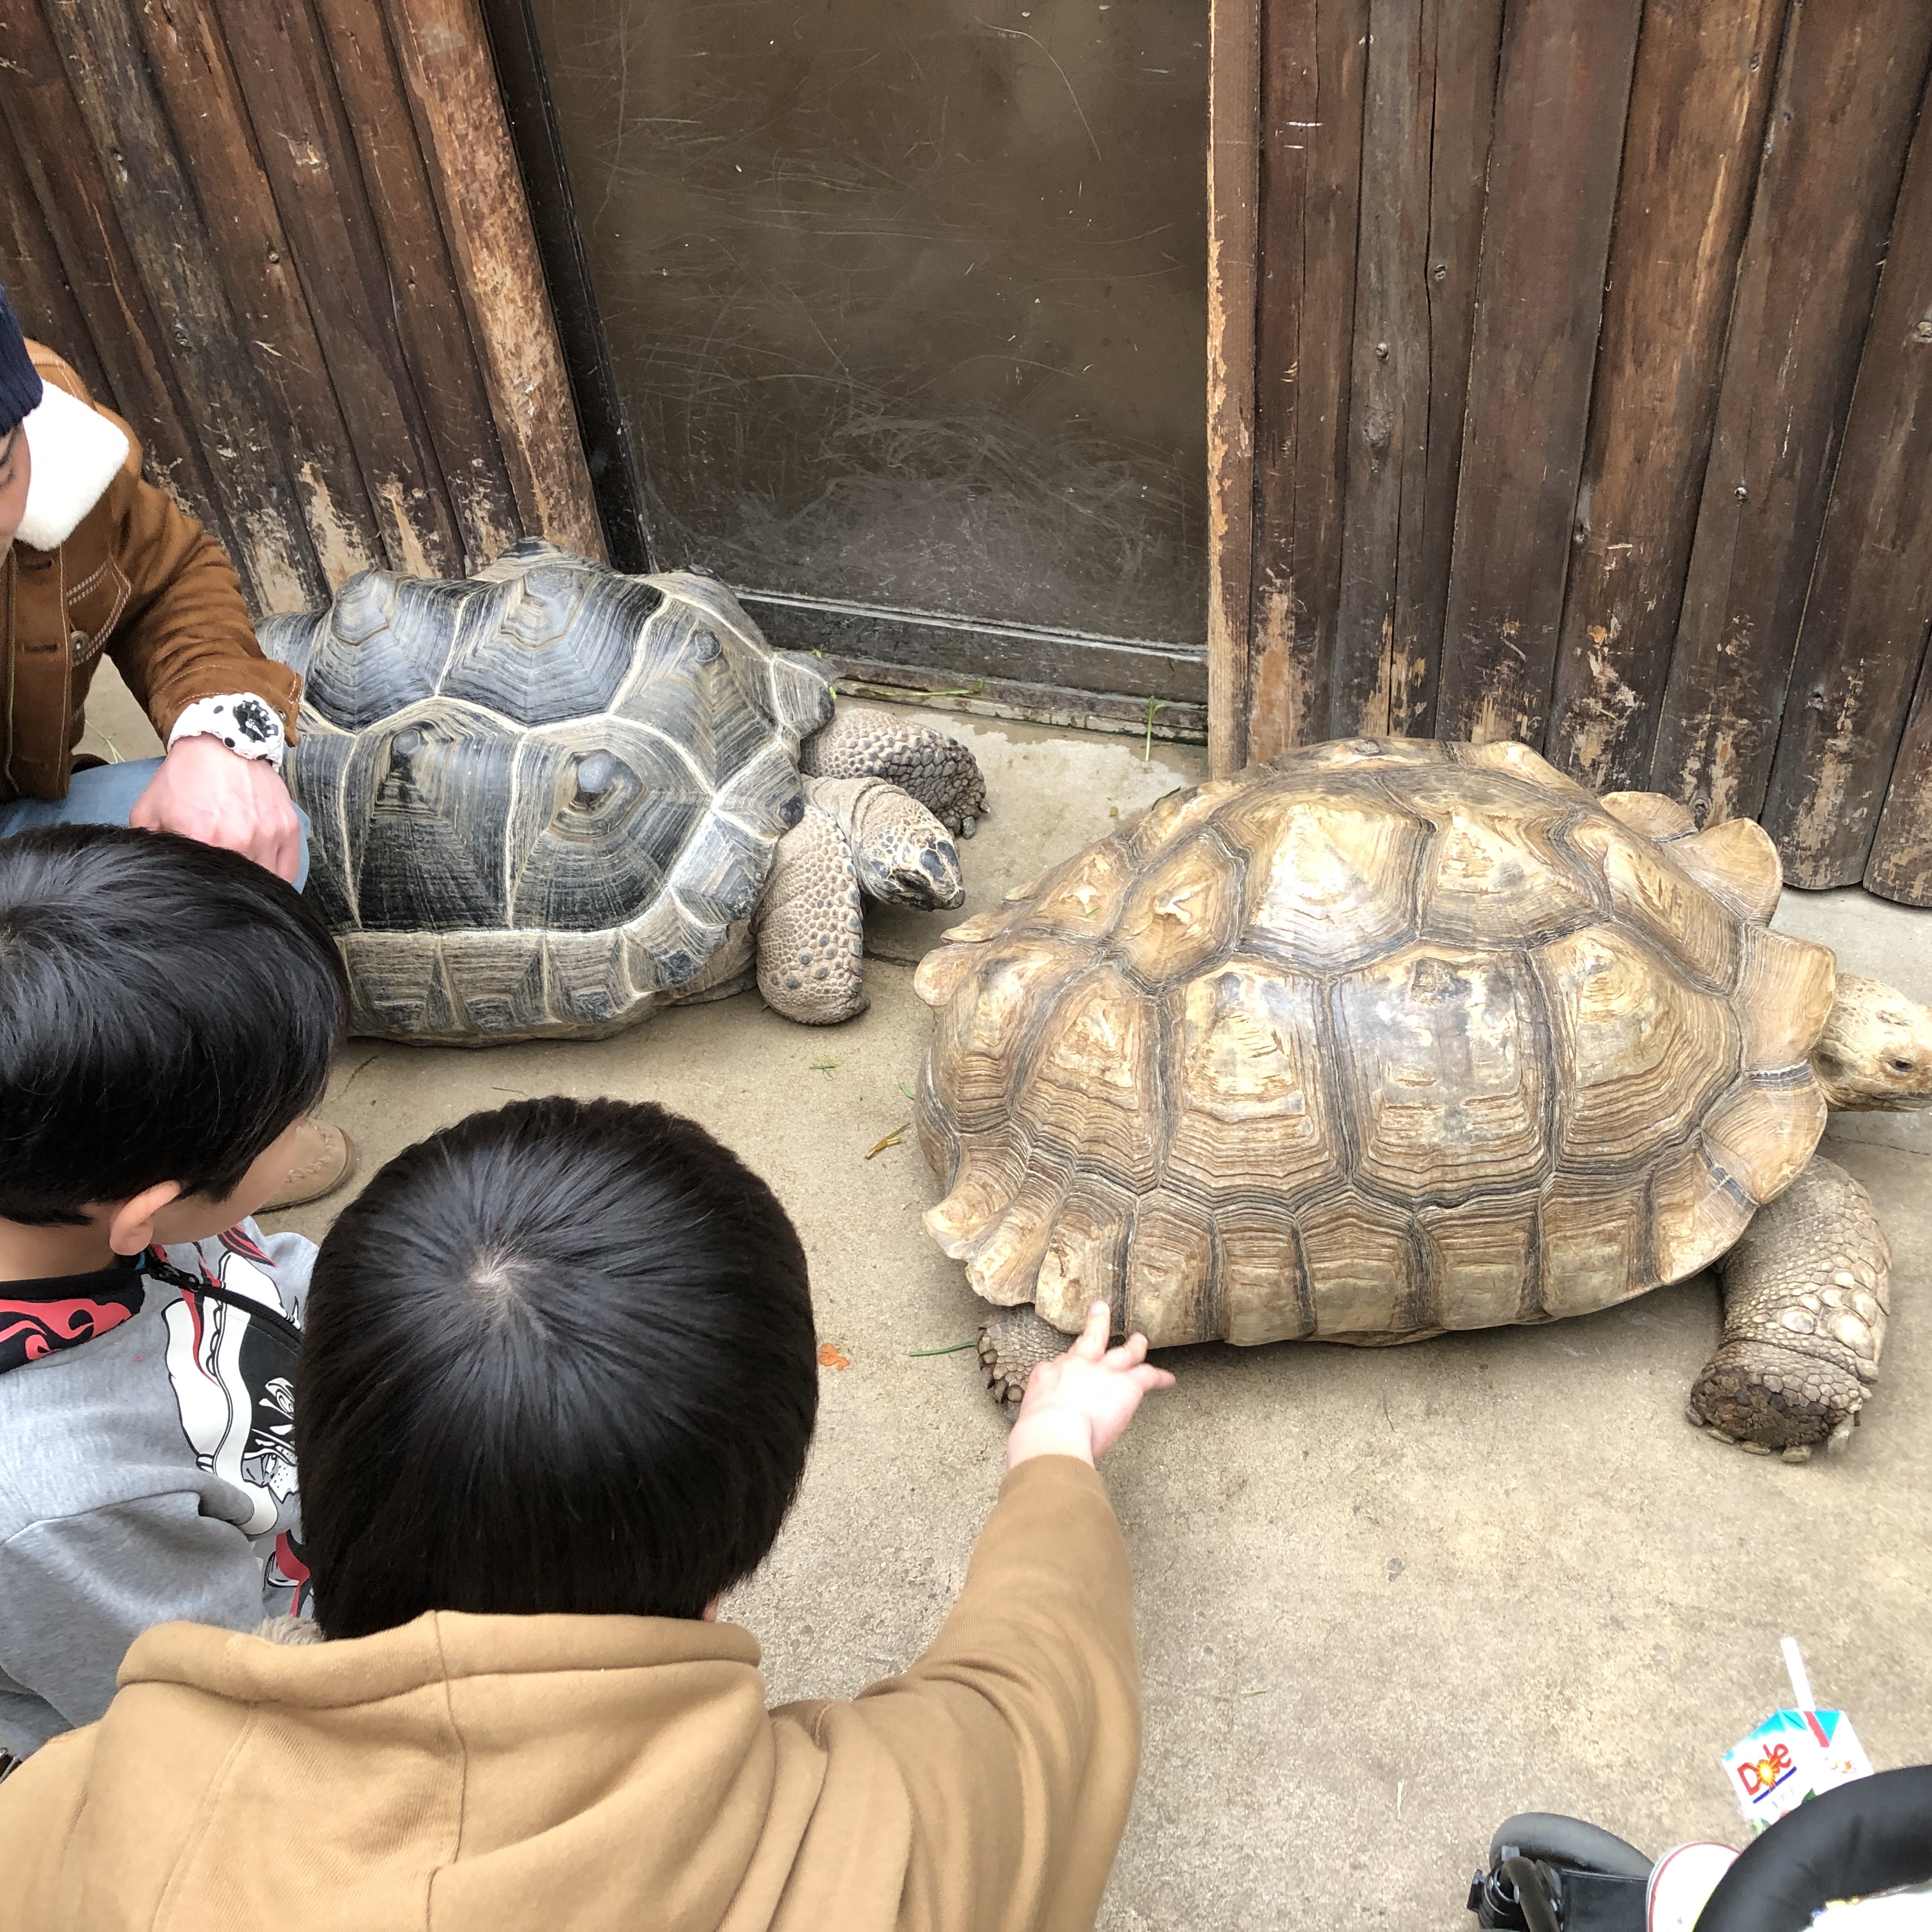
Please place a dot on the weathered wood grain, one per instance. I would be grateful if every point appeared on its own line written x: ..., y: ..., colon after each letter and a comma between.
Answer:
x: 197, y: 87
x: 31, y: 273
x: 1562, y: 97
x: 1377, y: 689
x: 1848, y: 86
x: 164, y: 221
x: 1313, y: 67
x: 452, y: 88
x: 333, y: 254
x: 1468, y: 51
x: 1233, y: 167
x: 63, y: 175
x: 429, y: 317
x: 1702, y: 89
x: 1425, y: 154
x: 1863, y: 634
x: 611, y: 449
x: 1900, y: 864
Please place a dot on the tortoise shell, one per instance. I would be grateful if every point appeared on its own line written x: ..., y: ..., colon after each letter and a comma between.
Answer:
x: 1387, y: 1037
x: 541, y: 797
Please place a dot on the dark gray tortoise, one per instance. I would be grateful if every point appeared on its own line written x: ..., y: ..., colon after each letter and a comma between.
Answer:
x: 549, y: 799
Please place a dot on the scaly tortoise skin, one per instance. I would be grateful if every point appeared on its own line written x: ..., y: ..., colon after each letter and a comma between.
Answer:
x: 548, y: 799
x: 1387, y: 1038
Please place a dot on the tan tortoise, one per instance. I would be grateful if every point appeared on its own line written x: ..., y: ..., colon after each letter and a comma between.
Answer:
x: 1389, y: 1037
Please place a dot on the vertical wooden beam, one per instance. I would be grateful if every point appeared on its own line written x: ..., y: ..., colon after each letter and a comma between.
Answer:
x: 1431, y: 96
x: 466, y: 140
x: 431, y: 322
x: 611, y: 449
x: 66, y: 179
x: 1468, y: 51
x: 1848, y: 91
x: 1314, y: 63
x: 30, y: 272
x: 1376, y: 686
x: 258, y: 268
x: 1863, y: 635
x: 1900, y: 864
x: 166, y: 232
x: 1234, y: 159
x: 1696, y: 130
x: 340, y: 300
x: 1560, y: 111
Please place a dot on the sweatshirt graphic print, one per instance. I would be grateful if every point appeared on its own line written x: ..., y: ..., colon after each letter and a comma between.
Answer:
x: 147, y: 1464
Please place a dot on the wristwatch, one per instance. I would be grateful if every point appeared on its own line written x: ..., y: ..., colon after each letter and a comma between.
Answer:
x: 247, y: 724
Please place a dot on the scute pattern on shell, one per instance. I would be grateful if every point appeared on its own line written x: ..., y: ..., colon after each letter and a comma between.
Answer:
x: 542, y: 796
x: 1389, y: 1037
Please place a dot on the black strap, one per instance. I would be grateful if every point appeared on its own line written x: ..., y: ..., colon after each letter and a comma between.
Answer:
x: 277, y: 1324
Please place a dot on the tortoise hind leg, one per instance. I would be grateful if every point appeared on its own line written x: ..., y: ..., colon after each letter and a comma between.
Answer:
x: 1806, y: 1297
x: 1013, y: 1343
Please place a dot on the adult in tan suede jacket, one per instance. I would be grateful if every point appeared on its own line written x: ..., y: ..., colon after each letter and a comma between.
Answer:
x: 96, y: 562
x: 557, y: 1387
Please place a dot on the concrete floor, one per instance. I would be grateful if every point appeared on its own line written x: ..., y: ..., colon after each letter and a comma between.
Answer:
x: 1385, y: 1598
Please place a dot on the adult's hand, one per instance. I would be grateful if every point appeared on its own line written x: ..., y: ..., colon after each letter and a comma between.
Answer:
x: 203, y: 790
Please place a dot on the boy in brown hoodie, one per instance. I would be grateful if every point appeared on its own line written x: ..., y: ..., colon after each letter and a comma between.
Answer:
x: 557, y: 1385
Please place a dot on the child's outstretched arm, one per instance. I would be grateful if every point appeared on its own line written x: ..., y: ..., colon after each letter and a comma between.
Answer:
x: 1002, y: 1764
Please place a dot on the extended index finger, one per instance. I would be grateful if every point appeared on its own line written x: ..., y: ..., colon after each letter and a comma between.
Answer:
x: 1092, y: 1346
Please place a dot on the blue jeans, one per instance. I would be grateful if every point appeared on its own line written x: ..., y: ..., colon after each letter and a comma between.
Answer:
x: 104, y: 795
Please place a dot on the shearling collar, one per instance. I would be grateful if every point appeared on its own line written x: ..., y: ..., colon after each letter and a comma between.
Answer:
x: 76, y: 453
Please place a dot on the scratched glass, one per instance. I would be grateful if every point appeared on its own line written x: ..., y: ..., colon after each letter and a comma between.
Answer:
x: 908, y: 304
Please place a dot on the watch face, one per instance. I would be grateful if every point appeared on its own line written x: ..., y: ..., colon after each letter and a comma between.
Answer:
x: 244, y: 724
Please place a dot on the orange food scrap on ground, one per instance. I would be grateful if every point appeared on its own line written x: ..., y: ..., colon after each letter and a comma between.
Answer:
x: 831, y: 1356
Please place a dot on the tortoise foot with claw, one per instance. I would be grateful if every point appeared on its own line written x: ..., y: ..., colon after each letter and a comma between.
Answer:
x: 1012, y: 1344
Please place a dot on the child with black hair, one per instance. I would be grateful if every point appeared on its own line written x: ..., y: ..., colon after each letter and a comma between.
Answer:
x: 168, y: 1012
x: 558, y: 1383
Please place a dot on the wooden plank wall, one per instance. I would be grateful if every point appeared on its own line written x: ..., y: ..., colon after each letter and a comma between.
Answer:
x: 286, y: 240
x: 1571, y: 380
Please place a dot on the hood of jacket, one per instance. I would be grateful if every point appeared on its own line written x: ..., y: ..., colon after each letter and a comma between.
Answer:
x: 477, y: 1772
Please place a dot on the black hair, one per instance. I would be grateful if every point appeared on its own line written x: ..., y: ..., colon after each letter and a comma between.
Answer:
x: 167, y: 1009
x: 559, y: 1358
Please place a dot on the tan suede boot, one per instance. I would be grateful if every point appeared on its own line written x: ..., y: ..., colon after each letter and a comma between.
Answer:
x: 325, y: 1158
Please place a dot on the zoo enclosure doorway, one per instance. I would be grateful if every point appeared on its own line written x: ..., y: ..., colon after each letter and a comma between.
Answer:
x: 895, y: 318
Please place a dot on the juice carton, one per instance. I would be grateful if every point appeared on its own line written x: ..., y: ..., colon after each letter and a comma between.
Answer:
x: 1793, y: 1755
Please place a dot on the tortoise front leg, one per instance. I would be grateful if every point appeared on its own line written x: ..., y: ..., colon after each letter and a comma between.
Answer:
x: 863, y: 742
x: 1806, y: 1297
x: 811, y: 940
x: 1013, y: 1343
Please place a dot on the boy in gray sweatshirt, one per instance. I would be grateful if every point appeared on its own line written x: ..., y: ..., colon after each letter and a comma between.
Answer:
x: 168, y: 1012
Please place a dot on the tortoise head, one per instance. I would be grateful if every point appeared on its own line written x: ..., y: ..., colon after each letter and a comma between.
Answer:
x: 902, y: 853
x: 1876, y: 1051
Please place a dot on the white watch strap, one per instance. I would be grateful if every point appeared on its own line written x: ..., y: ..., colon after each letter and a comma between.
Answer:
x: 247, y: 724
